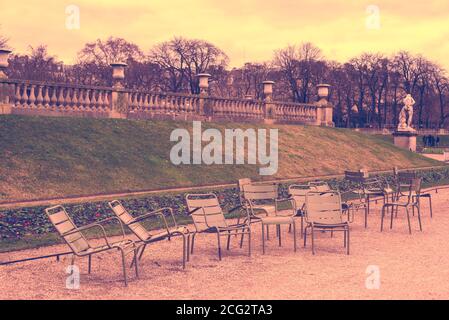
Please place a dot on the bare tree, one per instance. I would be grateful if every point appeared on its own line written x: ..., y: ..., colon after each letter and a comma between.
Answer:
x: 182, y: 59
x: 38, y: 65
x: 441, y: 84
x: 109, y: 51
x: 3, y: 41
x: 298, y: 67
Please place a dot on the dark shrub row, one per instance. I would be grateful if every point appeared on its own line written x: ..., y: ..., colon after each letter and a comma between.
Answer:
x: 32, y: 220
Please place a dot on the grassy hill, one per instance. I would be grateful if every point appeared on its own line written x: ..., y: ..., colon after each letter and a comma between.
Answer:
x: 50, y: 157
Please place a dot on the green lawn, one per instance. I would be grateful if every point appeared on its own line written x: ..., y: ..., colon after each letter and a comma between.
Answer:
x: 54, y: 157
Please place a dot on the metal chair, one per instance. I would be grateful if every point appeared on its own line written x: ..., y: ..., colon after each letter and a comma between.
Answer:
x: 269, y: 193
x: 404, y: 178
x: 411, y: 201
x: 324, y: 213
x: 144, y: 236
x: 75, y: 239
x: 208, y: 217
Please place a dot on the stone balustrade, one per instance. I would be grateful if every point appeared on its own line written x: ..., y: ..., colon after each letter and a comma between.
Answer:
x: 55, y: 99
x: 234, y: 109
x: 289, y: 112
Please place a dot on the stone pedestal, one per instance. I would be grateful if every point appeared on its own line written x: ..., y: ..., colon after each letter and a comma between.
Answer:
x: 405, y: 140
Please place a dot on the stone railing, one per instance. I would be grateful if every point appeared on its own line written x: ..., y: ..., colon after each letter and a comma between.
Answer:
x: 37, y: 98
x: 55, y: 99
x: 295, y: 113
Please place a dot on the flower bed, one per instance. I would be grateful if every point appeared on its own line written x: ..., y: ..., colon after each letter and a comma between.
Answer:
x: 16, y: 223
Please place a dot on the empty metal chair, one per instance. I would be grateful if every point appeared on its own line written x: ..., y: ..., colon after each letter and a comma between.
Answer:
x: 298, y: 194
x: 208, y: 217
x: 324, y: 213
x: 403, y: 179
x: 79, y: 244
x: 144, y: 235
x: 410, y: 201
x: 268, y: 193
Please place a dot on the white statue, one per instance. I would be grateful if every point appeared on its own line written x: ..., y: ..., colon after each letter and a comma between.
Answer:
x: 406, y: 114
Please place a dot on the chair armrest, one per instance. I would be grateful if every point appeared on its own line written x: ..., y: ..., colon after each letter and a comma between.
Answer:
x: 90, y: 226
x: 156, y: 213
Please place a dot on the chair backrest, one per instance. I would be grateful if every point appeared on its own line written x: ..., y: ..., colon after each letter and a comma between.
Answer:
x: 210, y: 214
x: 253, y: 192
x: 323, y: 207
x: 241, y: 183
x: 67, y: 229
x: 137, y: 228
x: 298, y: 193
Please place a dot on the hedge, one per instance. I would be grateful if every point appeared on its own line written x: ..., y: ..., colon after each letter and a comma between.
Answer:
x: 32, y: 220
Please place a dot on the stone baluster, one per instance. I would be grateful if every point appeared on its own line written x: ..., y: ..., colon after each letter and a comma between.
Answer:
x: 18, y: 97
x: 106, y: 104
x: 46, y: 101
x: 32, y: 96
x: 39, y: 97
x: 54, y: 98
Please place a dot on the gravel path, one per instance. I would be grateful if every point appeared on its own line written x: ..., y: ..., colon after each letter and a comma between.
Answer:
x: 411, y: 267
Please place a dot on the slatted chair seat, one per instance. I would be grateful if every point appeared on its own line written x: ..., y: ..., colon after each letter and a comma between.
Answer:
x: 144, y: 235
x: 277, y: 220
x: 79, y: 244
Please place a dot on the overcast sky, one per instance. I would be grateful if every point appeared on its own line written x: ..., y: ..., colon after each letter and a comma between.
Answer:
x: 247, y: 30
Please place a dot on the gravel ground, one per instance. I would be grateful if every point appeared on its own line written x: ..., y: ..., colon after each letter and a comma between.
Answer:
x: 411, y: 267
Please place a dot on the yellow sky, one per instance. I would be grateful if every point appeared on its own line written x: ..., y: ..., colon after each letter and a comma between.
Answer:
x: 248, y: 30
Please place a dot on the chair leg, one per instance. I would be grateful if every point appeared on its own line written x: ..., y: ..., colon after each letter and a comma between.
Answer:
x: 249, y: 242
x: 219, y: 246
x: 344, y: 238
x: 313, y: 241
x: 305, y: 236
x: 366, y: 215
x: 188, y: 247
x: 263, y: 239
x: 294, y: 235
x: 229, y: 240
x: 124, y: 267
x: 184, y: 243
x: 278, y: 228
x: 268, y: 232
x: 193, y: 243
x: 141, y: 252
x: 347, y: 239
x: 430, y: 205
x: 89, y: 264
x: 408, y: 220
x: 136, y: 268
x: 419, y: 218
x: 382, y: 219
x: 302, y: 225
x: 241, y: 240
x: 391, y: 218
